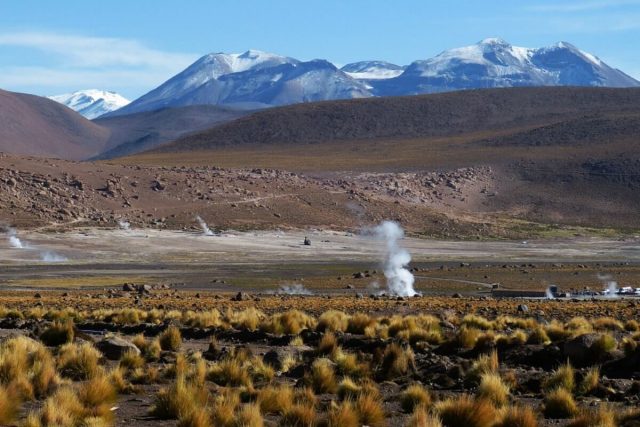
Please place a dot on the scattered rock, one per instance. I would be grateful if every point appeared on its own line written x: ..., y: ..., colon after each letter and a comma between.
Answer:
x: 115, y: 347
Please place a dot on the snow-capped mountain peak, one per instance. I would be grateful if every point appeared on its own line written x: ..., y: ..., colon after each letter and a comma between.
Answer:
x: 371, y: 70
x: 92, y: 103
x: 257, y: 79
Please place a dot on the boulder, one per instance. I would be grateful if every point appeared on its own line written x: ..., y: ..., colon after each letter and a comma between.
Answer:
x: 114, y: 348
x: 241, y: 296
x: 128, y: 287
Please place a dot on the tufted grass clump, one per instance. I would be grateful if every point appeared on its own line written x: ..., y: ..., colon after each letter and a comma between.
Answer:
x: 170, y: 339
x: 414, y: 395
x: 179, y: 400
x: 563, y: 377
x: 603, y: 416
x: 370, y: 411
x: 275, y: 400
x: 396, y: 361
x: 493, y: 389
x: 299, y: 415
x: 58, y: 333
x: 464, y: 411
x: 559, y: 403
x: 517, y: 416
x: 79, y: 361
x: 590, y: 380
x: 342, y: 415
x: 323, y: 378
x: 422, y: 418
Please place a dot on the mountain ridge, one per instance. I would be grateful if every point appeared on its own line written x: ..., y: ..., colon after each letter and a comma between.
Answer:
x: 256, y: 79
x: 92, y: 103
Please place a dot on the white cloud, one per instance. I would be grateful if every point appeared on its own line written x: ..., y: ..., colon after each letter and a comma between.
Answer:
x: 80, y: 62
x: 95, y: 51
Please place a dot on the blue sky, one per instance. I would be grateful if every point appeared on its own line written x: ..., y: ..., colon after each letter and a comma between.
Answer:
x: 130, y: 46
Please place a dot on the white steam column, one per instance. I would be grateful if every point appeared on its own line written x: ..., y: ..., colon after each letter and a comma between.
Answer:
x: 399, y: 279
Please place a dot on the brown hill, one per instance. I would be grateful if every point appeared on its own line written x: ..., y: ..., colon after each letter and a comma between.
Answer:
x: 426, y: 116
x: 37, y: 126
x: 133, y: 133
x: 556, y: 155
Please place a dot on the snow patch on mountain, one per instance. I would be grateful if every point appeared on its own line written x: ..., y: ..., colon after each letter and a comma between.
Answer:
x: 92, y: 103
x: 372, y: 70
x: 256, y: 79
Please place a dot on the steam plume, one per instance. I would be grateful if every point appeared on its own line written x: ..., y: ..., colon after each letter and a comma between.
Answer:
x: 203, y: 225
x: 399, y: 279
x: 48, y: 256
x: 295, y: 289
x: 549, y: 294
x: 14, y: 242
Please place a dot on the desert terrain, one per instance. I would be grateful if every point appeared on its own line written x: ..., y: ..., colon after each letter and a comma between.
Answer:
x: 447, y: 259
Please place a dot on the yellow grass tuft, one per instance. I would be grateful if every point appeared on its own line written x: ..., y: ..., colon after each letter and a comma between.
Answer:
x: 493, y: 389
x: 559, y: 403
x: 464, y: 411
x: 79, y: 361
x: 415, y: 395
x: 170, y: 339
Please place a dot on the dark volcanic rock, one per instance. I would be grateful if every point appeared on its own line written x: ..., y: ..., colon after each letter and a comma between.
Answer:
x: 115, y: 347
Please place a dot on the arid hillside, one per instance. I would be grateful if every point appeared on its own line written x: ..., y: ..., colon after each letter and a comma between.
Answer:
x: 38, y: 126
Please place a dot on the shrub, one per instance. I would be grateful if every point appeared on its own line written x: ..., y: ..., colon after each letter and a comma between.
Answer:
x: 608, y: 323
x: 275, y: 400
x: 477, y: 322
x: 464, y: 411
x: 198, y: 417
x: 249, y: 416
x: 98, y: 390
x: 556, y: 331
x: 9, y: 405
x: 467, y: 337
x: 289, y: 322
x: 396, y: 361
x: 421, y: 418
x: 603, y: 345
x: 602, y: 417
x: 62, y: 409
x: 414, y: 395
x: 484, y: 364
x: 328, y: 344
x: 131, y: 360
x: 332, y: 320
x: 632, y: 325
x: 229, y: 372
x: 299, y: 415
x: 179, y: 400
x: 493, y: 389
x: 224, y: 408
x: 79, y: 362
x: 347, y: 389
x: 629, y: 346
x: 170, y: 339
x: 518, y: 416
x: 343, y: 415
x: 58, y: 333
x: 323, y: 377
x: 559, y: 403
x: 590, y: 380
x: 369, y: 410
x: 359, y: 322
x: 348, y: 364
x: 538, y: 336
x: 562, y: 377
